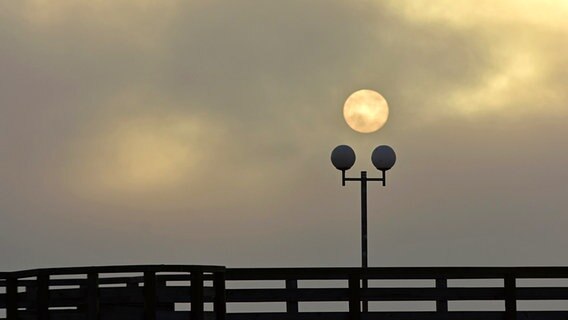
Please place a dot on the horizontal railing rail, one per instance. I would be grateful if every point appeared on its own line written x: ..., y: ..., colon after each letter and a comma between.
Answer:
x: 215, y: 292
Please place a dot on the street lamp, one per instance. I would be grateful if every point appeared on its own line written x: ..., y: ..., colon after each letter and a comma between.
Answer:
x: 383, y: 158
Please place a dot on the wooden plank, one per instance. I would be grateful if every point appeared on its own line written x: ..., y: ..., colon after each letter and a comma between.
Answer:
x: 220, y: 303
x: 3, y: 296
x: 288, y: 273
x: 66, y: 315
x: 510, y: 298
x: 179, y: 315
x: 12, y: 299
x: 373, y: 273
x: 322, y: 273
x: 429, y: 315
x: 118, y: 269
x: 373, y: 294
x: 542, y: 293
x: 150, y: 295
x: 173, y: 294
x: 43, y: 297
x: 423, y: 294
x: 354, y: 297
x: 93, y: 304
x: 122, y: 313
x: 122, y: 295
x: 27, y: 299
x: 485, y: 315
x: 197, y: 296
x: 67, y: 297
x: 292, y: 299
x: 80, y: 282
x: 285, y: 316
x: 539, y: 272
x: 275, y: 295
x: 441, y: 300
x: 542, y: 315
x: 129, y: 281
x: 397, y: 273
x: 57, y: 282
x: 182, y: 294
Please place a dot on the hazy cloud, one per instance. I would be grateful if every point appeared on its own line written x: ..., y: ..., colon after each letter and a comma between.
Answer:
x: 199, y: 132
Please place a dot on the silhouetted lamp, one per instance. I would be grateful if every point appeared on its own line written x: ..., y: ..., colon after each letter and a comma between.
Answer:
x: 343, y: 158
x: 383, y: 158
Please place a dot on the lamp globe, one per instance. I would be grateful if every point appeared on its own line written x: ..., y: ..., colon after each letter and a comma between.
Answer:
x: 383, y: 157
x: 343, y: 157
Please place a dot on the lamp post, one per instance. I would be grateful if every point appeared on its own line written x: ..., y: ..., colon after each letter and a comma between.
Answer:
x: 383, y: 158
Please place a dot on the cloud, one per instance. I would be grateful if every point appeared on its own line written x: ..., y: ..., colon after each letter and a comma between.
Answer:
x: 212, y: 121
x: 486, y: 14
x: 517, y: 74
x: 140, y: 144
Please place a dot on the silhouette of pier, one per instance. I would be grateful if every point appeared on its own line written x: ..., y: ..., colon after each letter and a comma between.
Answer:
x: 155, y: 292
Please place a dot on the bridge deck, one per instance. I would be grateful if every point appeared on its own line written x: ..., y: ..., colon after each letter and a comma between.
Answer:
x: 214, y: 292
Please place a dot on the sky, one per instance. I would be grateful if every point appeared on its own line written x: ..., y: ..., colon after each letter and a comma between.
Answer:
x: 199, y: 132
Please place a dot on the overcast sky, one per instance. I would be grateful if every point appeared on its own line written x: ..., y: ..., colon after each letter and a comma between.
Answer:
x: 199, y: 132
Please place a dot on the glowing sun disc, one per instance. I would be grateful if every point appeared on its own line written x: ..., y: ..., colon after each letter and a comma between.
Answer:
x: 366, y: 111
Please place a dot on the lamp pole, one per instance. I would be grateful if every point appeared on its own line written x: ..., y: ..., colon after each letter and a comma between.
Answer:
x: 364, y: 259
x: 343, y: 158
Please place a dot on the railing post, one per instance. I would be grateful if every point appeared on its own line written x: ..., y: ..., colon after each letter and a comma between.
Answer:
x: 150, y: 295
x: 220, y: 303
x: 442, y: 301
x: 43, y: 296
x: 93, y: 307
x: 11, y: 298
x: 291, y: 304
x: 197, y: 295
x: 510, y: 297
x: 354, y: 296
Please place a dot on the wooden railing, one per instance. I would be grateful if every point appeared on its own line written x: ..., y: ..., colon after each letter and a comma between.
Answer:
x: 116, y: 292
x: 211, y: 292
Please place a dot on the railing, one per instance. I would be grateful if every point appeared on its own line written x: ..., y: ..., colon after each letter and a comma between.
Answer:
x: 209, y: 292
x: 117, y: 292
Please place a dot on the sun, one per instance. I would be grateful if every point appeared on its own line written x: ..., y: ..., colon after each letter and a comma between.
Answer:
x: 366, y: 111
